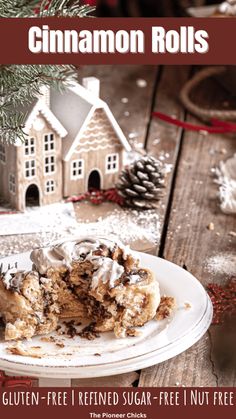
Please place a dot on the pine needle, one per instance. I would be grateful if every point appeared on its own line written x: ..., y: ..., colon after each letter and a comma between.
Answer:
x: 20, y: 84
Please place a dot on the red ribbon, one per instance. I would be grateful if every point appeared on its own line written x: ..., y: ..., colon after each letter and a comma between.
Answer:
x: 216, y: 127
x: 6, y: 381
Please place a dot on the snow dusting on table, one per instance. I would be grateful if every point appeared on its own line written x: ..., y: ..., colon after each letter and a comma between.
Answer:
x: 127, y: 225
x: 223, y: 264
x: 141, y: 230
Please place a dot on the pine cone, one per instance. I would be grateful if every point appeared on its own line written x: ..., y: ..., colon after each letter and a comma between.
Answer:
x: 141, y: 183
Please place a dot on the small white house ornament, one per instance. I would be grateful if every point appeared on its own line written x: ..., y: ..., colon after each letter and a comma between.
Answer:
x: 39, y: 123
x: 226, y: 178
x: 74, y: 144
x: 228, y: 7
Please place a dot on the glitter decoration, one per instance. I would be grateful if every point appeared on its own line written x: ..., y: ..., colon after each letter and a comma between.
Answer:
x: 124, y: 100
x: 141, y: 83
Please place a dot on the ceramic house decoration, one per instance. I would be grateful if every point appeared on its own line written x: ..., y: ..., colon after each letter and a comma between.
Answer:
x: 73, y: 144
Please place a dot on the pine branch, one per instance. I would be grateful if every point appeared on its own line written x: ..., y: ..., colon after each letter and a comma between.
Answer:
x: 11, y: 127
x: 64, y: 8
x: 44, y: 8
x: 20, y: 84
x: 18, y: 8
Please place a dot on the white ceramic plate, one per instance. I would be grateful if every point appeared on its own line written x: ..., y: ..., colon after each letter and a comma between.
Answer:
x: 204, y: 11
x: 159, y: 340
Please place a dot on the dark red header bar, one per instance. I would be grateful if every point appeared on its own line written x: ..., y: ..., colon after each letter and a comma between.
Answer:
x: 118, y: 41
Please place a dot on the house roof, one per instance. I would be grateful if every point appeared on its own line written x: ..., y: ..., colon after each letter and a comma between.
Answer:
x: 38, y: 107
x: 69, y: 113
x: 74, y: 107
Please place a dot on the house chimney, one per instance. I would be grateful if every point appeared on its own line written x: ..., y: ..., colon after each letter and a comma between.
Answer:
x: 45, y: 95
x: 92, y: 84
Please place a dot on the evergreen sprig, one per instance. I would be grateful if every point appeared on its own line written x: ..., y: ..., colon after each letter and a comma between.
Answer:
x: 64, y: 8
x: 18, y: 8
x: 44, y: 8
x: 20, y: 84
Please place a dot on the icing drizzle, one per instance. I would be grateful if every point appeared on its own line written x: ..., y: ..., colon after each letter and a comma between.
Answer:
x: 12, y: 279
x: 62, y: 255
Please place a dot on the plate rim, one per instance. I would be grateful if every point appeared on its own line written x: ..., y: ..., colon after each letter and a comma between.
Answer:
x: 107, y: 366
x: 144, y: 361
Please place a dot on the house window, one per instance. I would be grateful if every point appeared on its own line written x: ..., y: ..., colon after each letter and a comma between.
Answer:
x: 2, y: 153
x: 12, y: 183
x: 112, y: 163
x: 49, y: 143
x: 77, y: 169
x: 49, y: 164
x: 29, y: 146
x: 30, y: 168
x: 50, y: 186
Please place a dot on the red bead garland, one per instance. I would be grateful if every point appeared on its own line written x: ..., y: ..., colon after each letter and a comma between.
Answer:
x: 224, y: 300
x: 97, y: 197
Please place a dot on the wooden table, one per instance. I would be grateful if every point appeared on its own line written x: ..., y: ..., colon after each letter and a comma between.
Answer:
x: 189, y: 205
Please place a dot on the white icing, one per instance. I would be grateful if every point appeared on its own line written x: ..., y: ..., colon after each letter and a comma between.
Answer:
x: 56, y: 256
x: 107, y: 270
x: 12, y: 279
x: 62, y: 255
x: 133, y: 279
x: 228, y: 7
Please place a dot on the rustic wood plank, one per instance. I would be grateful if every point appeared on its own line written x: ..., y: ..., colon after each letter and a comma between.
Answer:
x: 164, y: 140
x: 131, y: 105
x: 54, y: 382
x: 123, y: 380
x: 195, y: 202
x: 190, y: 244
x: 191, y: 368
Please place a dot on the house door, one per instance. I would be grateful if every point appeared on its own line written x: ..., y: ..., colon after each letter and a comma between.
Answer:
x: 32, y: 196
x: 94, y: 180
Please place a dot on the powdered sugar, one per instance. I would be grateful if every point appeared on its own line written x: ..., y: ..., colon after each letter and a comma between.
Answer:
x: 130, y: 226
x: 224, y: 263
x: 49, y: 218
x: 127, y: 225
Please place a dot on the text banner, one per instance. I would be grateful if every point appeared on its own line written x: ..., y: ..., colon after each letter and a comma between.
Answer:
x: 117, y: 41
x: 118, y: 403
